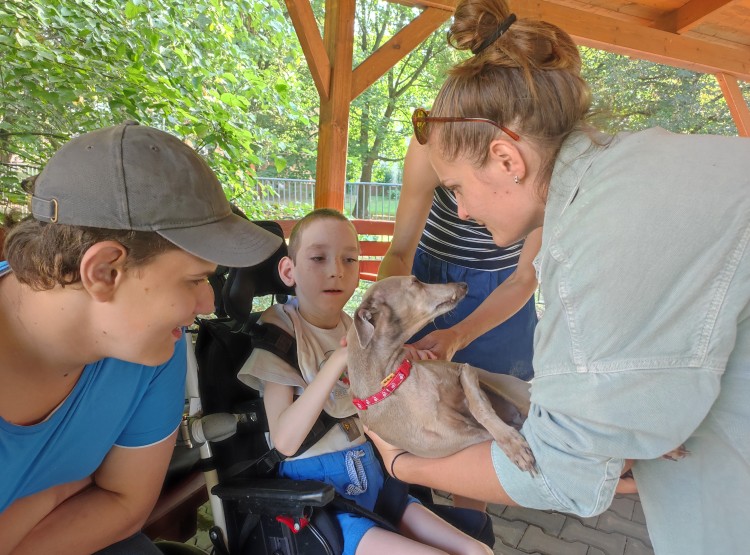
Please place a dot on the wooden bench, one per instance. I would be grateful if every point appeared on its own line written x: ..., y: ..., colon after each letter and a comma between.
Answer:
x: 374, y: 240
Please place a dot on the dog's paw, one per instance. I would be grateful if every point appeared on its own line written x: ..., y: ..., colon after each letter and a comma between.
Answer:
x: 676, y: 454
x: 518, y: 451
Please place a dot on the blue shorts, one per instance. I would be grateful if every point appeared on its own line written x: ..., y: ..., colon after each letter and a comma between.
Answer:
x: 355, y: 474
x: 505, y: 349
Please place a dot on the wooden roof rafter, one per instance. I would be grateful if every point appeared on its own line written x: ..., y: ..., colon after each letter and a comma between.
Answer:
x: 640, y: 41
x: 690, y: 15
x: 708, y: 36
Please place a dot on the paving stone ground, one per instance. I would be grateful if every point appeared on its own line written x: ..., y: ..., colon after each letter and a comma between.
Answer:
x: 621, y: 530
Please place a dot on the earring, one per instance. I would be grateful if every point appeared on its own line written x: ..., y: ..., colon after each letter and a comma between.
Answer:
x: 516, y: 180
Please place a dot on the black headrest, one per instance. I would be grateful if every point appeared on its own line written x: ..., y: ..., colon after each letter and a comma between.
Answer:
x: 244, y: 284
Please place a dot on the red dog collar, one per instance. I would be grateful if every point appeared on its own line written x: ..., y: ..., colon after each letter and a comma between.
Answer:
x: 389, y: 383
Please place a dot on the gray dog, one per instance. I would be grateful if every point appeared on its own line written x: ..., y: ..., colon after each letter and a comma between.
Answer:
x: 431, y: 408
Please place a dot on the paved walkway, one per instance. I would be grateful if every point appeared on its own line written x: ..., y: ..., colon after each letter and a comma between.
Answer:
x: 621, y: 530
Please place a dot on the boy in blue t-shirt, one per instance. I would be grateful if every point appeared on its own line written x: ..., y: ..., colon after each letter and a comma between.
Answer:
x: 127, y: 223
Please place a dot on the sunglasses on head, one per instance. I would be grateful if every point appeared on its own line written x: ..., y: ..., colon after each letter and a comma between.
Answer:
x: 421, y: 119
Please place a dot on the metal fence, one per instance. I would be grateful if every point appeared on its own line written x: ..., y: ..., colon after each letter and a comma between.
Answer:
x: 367, y: 201
x: 373, y: 201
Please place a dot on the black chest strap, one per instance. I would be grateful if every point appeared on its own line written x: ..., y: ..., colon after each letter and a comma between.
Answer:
x: 281, y: 343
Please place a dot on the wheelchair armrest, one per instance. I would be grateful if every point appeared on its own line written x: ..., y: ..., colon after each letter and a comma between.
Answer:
x: 275, y: 496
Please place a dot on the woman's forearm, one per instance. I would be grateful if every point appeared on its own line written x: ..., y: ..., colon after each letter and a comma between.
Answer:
x: 395, y: 264
x: 507, y: 299
x: 469, y: 473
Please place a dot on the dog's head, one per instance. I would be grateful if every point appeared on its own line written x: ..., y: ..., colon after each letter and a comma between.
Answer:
x: 397, y: 307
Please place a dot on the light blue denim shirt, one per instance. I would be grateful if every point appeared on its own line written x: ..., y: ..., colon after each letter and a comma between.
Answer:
x: 645, y: 340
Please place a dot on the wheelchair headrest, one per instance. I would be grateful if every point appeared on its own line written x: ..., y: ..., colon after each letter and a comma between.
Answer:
x: 244, y: 284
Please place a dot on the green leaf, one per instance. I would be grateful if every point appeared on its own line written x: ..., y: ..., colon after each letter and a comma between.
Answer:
x: 279, y: 163
x: 132, y: 10
x: 22, y: 41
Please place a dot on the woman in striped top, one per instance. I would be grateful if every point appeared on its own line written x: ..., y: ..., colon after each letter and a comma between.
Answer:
x: 493, y: 327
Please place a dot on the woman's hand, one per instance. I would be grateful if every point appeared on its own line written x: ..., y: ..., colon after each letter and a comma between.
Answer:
x: 418, y: 354
x: 387, y: 451
x: 443, y: 344
x: 627, y: 482
x: 626, y: 485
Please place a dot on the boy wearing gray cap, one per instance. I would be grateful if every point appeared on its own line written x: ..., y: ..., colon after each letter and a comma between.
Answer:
x: 127, y: 224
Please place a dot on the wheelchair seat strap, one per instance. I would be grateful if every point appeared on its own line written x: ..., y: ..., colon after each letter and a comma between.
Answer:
x: 276, y: 340
x: 345, y: 505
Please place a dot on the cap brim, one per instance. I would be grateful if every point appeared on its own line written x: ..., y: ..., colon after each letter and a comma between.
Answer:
x: 232, y: 241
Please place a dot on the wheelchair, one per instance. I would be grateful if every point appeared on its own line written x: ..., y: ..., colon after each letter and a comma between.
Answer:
x: 256, y: 512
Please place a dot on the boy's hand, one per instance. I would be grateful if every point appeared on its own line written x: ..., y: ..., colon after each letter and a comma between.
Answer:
x: 336, y: 363
x: 339, y: 355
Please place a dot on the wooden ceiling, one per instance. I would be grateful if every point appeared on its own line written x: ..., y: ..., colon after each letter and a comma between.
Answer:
x: 708, y: 36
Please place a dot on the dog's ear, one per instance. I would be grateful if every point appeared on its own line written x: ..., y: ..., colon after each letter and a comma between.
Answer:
x: 363, y: 326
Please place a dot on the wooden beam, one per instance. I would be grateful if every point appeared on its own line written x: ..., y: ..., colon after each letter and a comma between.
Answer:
x: 736, y: 101
x: 449, y: 5
x: 333, y: 125
x: 363, y: 227
x: 371, y: 250
x: 635, y: 40
x: 303, y: 19
x: 398, y: 47
x: 690, y: 15
x: 374, y: 227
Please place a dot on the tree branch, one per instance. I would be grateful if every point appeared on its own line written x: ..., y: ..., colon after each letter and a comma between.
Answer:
x: 16, y: 165
x: 4, y: 134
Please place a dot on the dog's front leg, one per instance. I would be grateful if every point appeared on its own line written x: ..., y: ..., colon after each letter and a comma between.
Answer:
x: 510, y: 441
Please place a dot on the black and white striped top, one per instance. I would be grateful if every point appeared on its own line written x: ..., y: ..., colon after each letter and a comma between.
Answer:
x: 464, y: 243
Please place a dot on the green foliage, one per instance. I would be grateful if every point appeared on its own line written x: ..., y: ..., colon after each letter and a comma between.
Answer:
x: 229, y: 77
x: 274, y: 211
x: 205, y: 70
x: 635, y: 94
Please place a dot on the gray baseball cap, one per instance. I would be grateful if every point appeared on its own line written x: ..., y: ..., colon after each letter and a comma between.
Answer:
x: 139, y: 178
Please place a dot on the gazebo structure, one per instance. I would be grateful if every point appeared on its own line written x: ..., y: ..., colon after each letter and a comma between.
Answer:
x: 709, y: 36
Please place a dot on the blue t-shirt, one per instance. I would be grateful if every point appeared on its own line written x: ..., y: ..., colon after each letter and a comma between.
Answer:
x: 113, y: 403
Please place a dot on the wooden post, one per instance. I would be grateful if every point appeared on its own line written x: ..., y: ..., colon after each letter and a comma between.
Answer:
x: 736, y: 102
x: 330, y: 61
x: 333, y: 126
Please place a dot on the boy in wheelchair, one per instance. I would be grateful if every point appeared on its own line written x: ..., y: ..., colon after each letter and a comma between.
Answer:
x: 323, y: 268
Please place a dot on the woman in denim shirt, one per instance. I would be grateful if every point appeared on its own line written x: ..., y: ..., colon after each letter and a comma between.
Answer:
x: 645, y: 270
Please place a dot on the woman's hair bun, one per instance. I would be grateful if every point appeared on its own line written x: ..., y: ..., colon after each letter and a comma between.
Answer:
x: 474, y: 21
x: 527, y: 43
